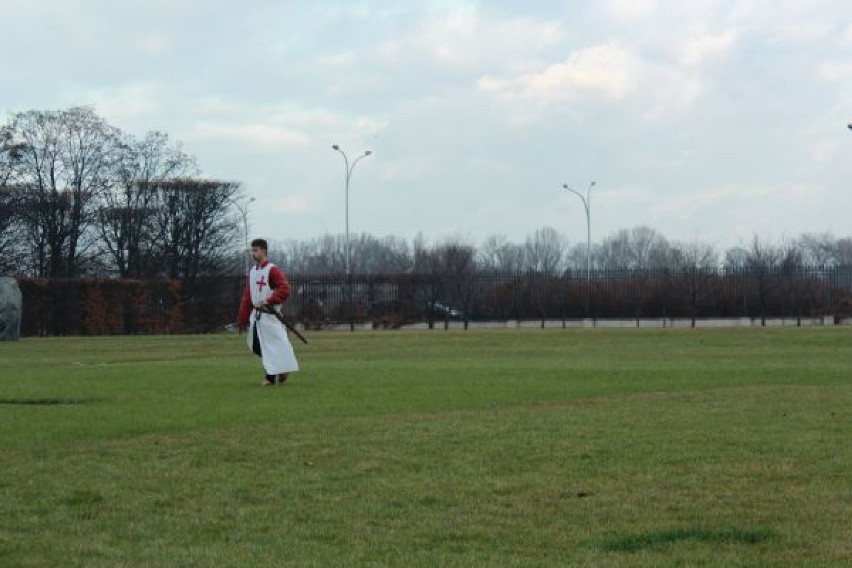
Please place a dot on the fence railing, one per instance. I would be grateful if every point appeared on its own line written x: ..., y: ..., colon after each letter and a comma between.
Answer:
x: 59, y: 307
x: 392, y: 300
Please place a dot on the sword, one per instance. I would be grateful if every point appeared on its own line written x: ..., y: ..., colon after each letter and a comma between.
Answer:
x: 283, y: 320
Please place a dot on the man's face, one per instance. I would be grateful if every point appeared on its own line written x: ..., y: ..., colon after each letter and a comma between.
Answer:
x: 258, y: 254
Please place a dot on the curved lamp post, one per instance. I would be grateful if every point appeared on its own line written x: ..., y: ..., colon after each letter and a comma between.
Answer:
x: 349, y: 169
x: 587, y: 205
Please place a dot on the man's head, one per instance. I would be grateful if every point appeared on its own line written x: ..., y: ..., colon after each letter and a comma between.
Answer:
x: 258, y: 250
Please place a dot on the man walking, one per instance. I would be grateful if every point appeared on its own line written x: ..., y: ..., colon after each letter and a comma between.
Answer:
x: 267, y: 289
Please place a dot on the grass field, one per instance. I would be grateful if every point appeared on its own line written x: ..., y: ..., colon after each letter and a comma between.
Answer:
x: 501, y: 448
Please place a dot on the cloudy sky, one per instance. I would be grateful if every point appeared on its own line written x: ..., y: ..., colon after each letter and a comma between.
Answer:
x: 709, y: 120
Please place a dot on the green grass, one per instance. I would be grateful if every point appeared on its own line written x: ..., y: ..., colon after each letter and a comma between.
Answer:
x: 533, y: 448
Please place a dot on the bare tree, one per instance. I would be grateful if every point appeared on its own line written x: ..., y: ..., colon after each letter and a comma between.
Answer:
x: 824, y: 250
x: 125, y: 220
x: 11, y: 247
x: 327, y: 254
x: 766, y: 262
x: 10, y: 243
x: 10, y: 154
x: 455, y: 257
x: 735, y: 258
x: 818, y: 248
x: 65, y: 161
x: 765, y: 255
x: 448, y: 277
x: 843, y: 251
x: 697, y: 265
x: 371, y: 255
x: 290, y: 254
x: 497, y: 253
x: 322, y: 255
x: 693, y: 254
x: 638, y: 248
x: 423, y: 258
x: 545, y: 250
x: 454, y: 262
x: 193, y: 229
x: 575, y: 256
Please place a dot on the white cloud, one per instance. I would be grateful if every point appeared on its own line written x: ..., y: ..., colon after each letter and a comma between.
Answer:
x: 602, y: 70
x: 698, y: 49
x: 400, y: 170
x: 293, y: 204
x: 337, y: 59
x: 217, y: 106
x: 124, y: 103
x: 280, y: 125
x: 154, y: 43
x: 601, y: 77
x: 835, y: 70
x: 465, y: 38
x: 802, y: 31
x: 331, y: 122
x: 263, y: 135
x: 630, y: 9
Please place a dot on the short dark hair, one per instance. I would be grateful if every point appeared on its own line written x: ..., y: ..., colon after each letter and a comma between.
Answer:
x: 261, y: 243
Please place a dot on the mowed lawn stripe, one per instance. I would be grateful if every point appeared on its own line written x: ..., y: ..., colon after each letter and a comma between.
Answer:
x: 215, y: 383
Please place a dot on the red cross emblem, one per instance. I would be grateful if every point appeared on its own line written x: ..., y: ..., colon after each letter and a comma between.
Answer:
x: 261, y: 283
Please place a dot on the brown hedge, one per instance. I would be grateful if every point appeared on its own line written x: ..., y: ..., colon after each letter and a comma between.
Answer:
x: 100, y: 307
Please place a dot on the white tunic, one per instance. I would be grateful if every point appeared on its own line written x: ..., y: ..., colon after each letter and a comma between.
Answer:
x: 276, y: 350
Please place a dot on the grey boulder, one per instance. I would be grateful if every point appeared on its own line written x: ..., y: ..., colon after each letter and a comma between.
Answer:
x: 11, y: 308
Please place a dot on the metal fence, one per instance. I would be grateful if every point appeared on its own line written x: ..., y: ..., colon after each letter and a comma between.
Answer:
x: 394, y: 300
x: 103, y: 306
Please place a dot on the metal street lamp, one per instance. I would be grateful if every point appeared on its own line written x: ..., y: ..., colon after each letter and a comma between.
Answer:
x: 349, y: 169
x: 243, y: 209
x: 587, y: 205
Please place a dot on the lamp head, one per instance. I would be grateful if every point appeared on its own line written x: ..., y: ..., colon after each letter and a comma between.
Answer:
x: 335, y: 147
x: 368, y: 152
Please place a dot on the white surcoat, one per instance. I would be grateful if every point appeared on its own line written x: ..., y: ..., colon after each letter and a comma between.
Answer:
x: 276, y: 350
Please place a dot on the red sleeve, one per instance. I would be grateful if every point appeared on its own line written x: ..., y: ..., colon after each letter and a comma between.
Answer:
x: 245, y: 306
x: 280, y: 286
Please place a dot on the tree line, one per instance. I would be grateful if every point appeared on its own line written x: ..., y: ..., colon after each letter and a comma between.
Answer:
x: 549, y: 251
x: 80, y: 197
